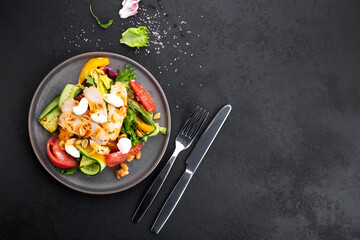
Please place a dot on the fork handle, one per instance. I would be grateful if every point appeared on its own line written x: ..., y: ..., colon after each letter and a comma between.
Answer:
x: 171, y: 202
x: 154, y: 189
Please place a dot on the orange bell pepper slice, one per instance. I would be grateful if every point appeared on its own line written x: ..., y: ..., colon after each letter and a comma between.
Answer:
x: 91, y: 64
x: 144, y: 127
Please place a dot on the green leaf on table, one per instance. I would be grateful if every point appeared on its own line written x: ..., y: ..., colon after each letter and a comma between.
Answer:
x: 136, y: 37
x: 101, y: 25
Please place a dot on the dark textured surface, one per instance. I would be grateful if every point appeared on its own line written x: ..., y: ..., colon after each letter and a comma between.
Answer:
x: 284, y: 166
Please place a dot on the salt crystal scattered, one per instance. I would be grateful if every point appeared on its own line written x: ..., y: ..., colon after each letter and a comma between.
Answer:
x: 160, y: 28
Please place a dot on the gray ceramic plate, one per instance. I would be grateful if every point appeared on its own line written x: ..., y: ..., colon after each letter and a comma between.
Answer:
x: 105, y: 182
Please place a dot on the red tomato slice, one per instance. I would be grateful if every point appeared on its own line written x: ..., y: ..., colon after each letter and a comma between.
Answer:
x: 116, y: 158
x: 59, y: 157
x: 143, y: 95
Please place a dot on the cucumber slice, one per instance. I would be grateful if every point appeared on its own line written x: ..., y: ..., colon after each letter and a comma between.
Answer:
x: 50, y: 121
x: 156, y: 132
x: 162, y: 130
x: 144, y: 116
x: 69, y: 91
x: 53, y: 104
x: 149, y: 114
x: 89, y: 166
x: 97, y: 158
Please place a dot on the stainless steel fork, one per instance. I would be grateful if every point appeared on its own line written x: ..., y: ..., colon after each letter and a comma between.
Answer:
x: 183, y: 140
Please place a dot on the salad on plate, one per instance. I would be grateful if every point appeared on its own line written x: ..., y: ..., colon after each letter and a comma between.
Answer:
x: 103, y: 120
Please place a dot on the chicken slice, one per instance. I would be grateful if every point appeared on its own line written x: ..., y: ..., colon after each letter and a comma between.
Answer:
x: 83, y: 125
x: 117, y: 115
x: 74, y: 124
x: 68, y: 105
x: 99, y: 148
x: 96, y: 100
x: 97, y: 105
x: 98, y: 132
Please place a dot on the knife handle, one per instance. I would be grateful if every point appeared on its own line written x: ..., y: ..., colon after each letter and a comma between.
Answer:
x: 171, y: 202
x: 154, y: 189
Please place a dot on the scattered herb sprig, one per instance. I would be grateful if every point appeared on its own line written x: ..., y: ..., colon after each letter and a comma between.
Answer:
x: 101, y: 25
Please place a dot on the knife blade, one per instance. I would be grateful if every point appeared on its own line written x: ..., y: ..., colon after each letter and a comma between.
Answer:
x: 192, y: 164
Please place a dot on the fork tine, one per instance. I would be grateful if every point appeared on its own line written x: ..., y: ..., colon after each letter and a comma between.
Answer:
x: 195, y: 122
x: 190, y: 121
x: 198, y: 125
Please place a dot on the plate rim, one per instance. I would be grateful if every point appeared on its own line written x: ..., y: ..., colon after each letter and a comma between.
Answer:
x: 153, y: 79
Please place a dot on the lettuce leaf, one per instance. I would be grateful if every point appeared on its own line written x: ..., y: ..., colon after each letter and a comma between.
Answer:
x: 101, y: 25
x: 89, y: 80
x: 69, y: 171
x: 130, y: 125
x: 127, y: 74
x: 136, y: 37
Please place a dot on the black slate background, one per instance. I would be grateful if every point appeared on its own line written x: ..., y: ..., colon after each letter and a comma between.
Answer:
x: 285, y: 164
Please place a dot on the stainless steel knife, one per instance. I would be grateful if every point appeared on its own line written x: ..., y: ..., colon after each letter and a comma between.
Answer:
x: 192, y: 164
